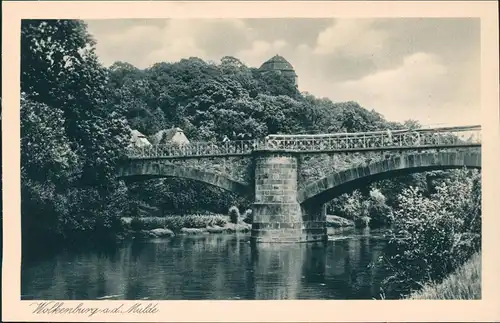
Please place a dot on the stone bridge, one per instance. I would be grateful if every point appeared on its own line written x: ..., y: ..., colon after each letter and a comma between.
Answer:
x: 134, y: 170
x: 289, y: 188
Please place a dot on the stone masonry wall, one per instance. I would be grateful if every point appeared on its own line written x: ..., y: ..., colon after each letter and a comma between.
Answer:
x: 236, y: 168
x: 277, y: 215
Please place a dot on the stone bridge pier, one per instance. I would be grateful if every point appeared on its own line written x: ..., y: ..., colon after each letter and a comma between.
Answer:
x: 277, y: 215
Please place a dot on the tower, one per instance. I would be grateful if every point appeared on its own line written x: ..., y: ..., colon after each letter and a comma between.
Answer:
x: 279, y: 64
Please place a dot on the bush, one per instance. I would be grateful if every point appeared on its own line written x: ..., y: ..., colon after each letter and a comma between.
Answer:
x: 202, y: 221
x: 362, y: 222
x: 379, y: 214
x: 234, y: 214
x: 377, y: 197
x: 348, y: 206
x: 248, y: 216
x: 432, y: 236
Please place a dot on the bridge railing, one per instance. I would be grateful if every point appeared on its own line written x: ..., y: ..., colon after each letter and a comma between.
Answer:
x: 436, y: 137
x: 378, y: 140
x: 236, y: 147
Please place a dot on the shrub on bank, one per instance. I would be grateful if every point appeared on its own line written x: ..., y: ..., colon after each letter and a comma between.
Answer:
x: 364, y: 211
x: 248, y: 216
x: 380, y: 215
x: 362, y: 222
x: 234, y: 214
x: 434, y: 235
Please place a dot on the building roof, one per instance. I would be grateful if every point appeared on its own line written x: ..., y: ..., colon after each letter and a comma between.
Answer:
x: 166, y: 135
x: 277, y: 63
x: 138, y: 139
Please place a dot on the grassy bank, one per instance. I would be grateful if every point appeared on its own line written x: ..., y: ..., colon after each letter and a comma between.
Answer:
x: 184, y: 224
x: 465, y: 283
x: 176, y: 222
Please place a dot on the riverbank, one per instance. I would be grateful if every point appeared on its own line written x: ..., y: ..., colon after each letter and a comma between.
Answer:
x: 172, y: 225
x: 334, y: 221
x: 464, y: 283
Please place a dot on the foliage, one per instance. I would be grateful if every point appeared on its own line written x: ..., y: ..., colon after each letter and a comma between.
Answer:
x: 210, y: 101
x: 433, y: 235
x: 391, y: 188
x: 71, y: 136
x: 45, y: 150
x: 138, y: 224
x: 352, y: 207
x: 234, y: 214
x: 412, y: 124
x: 182, y: 196
x: 248, y: 216
x: 59, y: 68
x: 378, y: 211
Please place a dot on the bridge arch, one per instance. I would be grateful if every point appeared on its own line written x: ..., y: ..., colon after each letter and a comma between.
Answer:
x: 335, y: 184
x: 144, y: 169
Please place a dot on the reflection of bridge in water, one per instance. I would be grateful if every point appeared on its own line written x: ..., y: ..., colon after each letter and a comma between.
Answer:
x: 305, y: 271
x: 287, y: 208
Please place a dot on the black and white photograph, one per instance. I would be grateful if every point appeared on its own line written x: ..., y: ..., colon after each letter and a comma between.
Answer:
x: 233, y: 159
x: 257, y: 159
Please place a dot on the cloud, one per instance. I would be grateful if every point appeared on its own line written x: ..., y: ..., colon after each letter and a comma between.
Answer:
x: 420, y: 73
x: 261, y: 50
x: 144, y: 44
x: 355, y: 37
x: 178, y: 40
x: 419, y: 88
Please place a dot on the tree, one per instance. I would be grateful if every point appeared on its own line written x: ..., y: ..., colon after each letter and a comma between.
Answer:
x: 70, y: 126
x: 355, y: 118
x: 46, y: 154
x: 59, y: 67
x: 275, y: 83
x: 412, y: 124
x: 379, y: 212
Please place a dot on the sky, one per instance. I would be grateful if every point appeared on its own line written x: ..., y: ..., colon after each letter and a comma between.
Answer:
x: 426, y: 69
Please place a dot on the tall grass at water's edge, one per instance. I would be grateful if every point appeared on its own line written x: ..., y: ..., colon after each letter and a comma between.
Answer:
x: 464, y: 283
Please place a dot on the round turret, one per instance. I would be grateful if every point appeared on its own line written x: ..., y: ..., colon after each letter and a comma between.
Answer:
x: 279, y: 64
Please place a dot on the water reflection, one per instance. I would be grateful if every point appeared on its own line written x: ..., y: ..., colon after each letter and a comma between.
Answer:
x: 277, y: 270
x: 210, y: 267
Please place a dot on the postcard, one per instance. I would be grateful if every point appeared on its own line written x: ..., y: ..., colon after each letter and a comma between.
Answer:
x: 250, y: 161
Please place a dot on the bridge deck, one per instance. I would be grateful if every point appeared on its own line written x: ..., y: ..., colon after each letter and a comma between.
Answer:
x: 420, y: 139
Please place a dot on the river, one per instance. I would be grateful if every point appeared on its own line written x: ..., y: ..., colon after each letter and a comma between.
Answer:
x: 211, y: 267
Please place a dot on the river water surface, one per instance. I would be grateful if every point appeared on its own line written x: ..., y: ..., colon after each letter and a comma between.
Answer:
x: 211, y: 267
